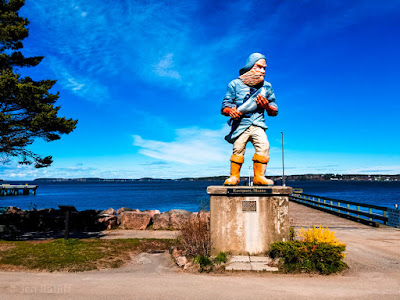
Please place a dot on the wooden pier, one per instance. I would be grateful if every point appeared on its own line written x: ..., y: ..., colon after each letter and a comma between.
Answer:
x: 14, y: 190
x: 364, y: 213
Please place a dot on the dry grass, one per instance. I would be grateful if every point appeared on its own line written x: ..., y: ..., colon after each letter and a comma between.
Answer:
x: 194, y: 238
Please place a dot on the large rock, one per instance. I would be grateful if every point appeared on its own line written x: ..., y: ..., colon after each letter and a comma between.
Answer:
x: 108, y: 222
x: 152, y: 213
x: 178, y: 217
x: 161, y: 221
x: 90, y: 220
x: 134, y: 220
x: 122, y: 209
x: 13, y: 210
x: 181, y: 261
x: 203, y: 216
x: 171, y: 220
x: 107, y: 212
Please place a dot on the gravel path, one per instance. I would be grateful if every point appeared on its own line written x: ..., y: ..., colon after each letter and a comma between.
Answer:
x: 373, y: 256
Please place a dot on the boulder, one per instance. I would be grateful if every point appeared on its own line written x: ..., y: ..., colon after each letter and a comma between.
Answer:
x: 108, y: 222
x: 173, y: 219
x: 107, y: 212
x: 178, y: 217
x: 203, y: 216
x: 152, y: 213
x: 89, y: 220
x: 176, y: 253
x: 161, y: 221
x: 122, y: 209
x: 181, y: 261
x: 134, y: 220
x: 13, y: 210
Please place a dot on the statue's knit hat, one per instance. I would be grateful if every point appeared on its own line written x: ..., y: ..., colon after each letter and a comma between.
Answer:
x: 253, y: 58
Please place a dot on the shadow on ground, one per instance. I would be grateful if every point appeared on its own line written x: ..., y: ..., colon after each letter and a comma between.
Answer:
x: 32, y: 236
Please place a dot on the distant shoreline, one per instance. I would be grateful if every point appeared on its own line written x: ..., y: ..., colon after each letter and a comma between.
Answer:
x: 304, y: 177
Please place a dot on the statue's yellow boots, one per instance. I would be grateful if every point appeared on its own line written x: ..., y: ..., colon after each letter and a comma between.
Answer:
x: 260, y: 165
x: 236, y: 164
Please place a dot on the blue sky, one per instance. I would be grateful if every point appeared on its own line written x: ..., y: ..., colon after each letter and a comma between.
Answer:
x: 146, y: 80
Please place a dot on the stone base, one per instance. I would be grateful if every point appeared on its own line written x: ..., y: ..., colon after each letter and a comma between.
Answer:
x: 250, y: 263
x: 247, y: 220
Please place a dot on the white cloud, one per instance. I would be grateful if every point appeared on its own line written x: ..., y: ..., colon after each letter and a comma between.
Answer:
x: 388, y: 169
x: 165, y: 41
x: 192, y: 146
x: 165, y: 67
x: 80, y: 85
x: 154, y: 41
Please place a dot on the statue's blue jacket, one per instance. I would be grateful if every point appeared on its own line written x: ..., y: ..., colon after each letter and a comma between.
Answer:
x: 236, y: 94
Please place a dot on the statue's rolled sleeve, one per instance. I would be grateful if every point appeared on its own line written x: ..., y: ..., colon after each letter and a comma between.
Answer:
x: 271, y: 100
x: 230, y: 96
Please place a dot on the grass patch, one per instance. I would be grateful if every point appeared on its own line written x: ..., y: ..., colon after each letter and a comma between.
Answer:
x: 74, y: 255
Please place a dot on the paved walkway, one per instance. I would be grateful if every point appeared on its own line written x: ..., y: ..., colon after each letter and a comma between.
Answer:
x: 138, y: 234
x: 373, y: 255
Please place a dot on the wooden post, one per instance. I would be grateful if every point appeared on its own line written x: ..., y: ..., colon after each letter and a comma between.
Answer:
x: 67, y: 209
x: 66, y: 231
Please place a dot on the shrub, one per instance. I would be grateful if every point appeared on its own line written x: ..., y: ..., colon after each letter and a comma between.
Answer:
x: 297, y: 256
x: 318, y: 235
x: 220, y: 258
x: 194, y: 238
x: 292, y: 234
x: 204, y: 262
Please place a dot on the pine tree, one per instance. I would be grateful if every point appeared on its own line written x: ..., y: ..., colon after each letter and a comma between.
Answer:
x: 27, y: 110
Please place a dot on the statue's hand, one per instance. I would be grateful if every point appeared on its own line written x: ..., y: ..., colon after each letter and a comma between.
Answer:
x: 262, y: 102
x: 272, y: 110
x: 232, y: 112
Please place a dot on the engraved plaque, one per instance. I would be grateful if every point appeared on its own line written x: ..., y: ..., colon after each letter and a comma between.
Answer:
x: 249, y: 205
x: 249, y: 191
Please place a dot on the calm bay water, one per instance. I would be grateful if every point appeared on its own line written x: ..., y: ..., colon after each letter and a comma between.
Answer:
x: 189, y: 195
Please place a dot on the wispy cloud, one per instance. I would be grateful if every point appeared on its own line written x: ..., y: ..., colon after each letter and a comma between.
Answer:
x: 192, y: 146
x: 198, y: 152
x: 164, y: 42
x: 393, y: 170
x: 15, y: 171
x: 147, y: 40
x: 77, y: 83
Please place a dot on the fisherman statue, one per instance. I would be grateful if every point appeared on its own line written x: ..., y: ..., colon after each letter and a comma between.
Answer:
x: 245, y: 101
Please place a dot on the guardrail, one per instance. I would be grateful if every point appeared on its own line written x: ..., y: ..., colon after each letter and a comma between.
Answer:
x: 360, y: 212
x: 19, y: 189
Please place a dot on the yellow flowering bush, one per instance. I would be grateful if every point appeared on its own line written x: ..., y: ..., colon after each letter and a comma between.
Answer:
x: 314, y: 250
x: 318, y: 235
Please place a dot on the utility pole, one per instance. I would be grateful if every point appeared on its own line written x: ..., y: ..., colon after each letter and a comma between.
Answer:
x: 249, y: 175
x: 283, y: 164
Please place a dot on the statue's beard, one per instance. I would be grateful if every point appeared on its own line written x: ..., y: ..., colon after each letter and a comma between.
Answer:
x: 252, y: 78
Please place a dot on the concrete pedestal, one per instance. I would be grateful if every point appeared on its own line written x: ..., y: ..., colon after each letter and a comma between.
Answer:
x: 247, y: 220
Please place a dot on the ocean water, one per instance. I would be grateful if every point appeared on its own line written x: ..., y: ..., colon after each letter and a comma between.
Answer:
x: 189, y: 195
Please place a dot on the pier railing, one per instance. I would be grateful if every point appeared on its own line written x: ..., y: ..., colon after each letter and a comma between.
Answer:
x: 360, y: 212
x: 11, y: 189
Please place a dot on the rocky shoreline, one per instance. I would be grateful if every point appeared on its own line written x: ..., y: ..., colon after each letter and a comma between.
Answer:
x: 45, y: 220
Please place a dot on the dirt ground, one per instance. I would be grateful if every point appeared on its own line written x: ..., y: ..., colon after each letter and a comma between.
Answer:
x: 373, y: 255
